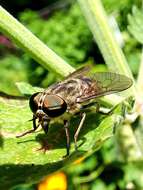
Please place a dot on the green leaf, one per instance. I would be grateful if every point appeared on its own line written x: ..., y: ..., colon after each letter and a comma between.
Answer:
x: 135, y: 26
x: 20, y: 158
x: 27, y: 89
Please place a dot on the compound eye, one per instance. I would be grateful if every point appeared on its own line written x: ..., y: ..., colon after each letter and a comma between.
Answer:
x: 54, y: 105
x: 33, y: 102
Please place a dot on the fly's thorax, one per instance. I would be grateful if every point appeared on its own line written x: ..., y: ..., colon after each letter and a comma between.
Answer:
x: 71, y: 89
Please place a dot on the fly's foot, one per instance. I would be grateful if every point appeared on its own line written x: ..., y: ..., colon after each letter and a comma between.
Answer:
x: 75, y: 146
x: 65, y: 156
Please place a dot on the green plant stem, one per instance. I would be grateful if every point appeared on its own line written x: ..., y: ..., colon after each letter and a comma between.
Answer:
x: 127, y: 143
x: 32, y: 45
x: 98, y: 23
x: 139, y: 101
x: 140, y: 77
x: 89, y: 178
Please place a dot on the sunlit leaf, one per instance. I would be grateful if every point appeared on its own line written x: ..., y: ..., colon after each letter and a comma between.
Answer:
x: 21, y: 157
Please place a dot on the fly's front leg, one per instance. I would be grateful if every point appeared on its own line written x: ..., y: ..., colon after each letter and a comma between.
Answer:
x: 44, y: 142
x: 34, y: 122
x: 29, y: 131
x: 66, y: 127
x: 45, y: 124
x: 78, y: 129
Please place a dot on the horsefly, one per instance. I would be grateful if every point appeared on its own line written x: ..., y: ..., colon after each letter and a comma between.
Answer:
x: 72, y: 97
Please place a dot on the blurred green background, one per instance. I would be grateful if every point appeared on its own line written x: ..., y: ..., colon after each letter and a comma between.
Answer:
x: 61, y: 25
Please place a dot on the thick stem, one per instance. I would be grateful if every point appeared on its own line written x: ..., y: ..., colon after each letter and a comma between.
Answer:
x: 32, y: 45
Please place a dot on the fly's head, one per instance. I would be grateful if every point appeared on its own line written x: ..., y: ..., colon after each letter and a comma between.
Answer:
x: 45, y: 106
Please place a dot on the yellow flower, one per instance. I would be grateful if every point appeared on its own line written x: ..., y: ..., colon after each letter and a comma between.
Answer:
x: 56, y: 181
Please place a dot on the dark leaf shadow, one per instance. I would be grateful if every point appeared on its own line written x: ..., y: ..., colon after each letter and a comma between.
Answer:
x: 1, y: 141
x: 56, y: 138
x: 16, y: 174
x: 11, y: 174
x: 8, y: 96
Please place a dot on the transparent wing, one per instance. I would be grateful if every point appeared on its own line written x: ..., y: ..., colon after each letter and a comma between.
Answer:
x: 105, y: 83
x: 80, y: 72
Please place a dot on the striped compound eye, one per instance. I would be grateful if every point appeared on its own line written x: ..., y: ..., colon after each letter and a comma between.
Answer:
x: 54, y: 105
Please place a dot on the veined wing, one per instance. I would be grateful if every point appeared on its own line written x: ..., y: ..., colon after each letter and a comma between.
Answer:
x: 105, y: 83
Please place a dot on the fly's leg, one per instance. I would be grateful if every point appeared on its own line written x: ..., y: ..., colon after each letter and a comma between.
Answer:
x: 78, y: 129
x: 104, y: 111
x: 44, y: 142
x: 34, y: 122
x: 29, y: 131
x: 66, y: 124
x: 98, y: 109
x: 45, y: 124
